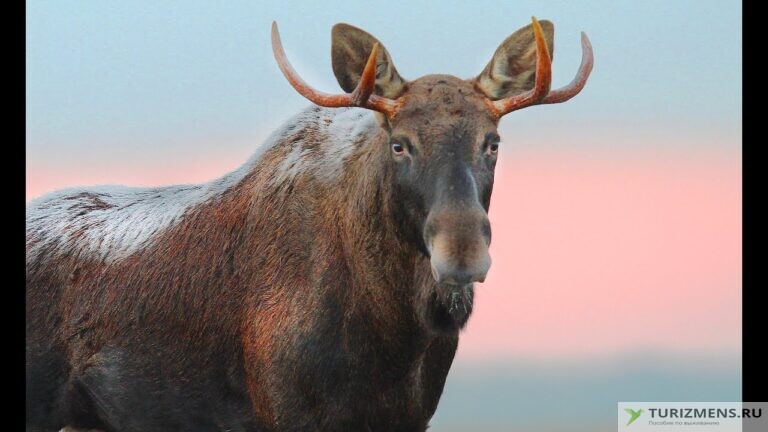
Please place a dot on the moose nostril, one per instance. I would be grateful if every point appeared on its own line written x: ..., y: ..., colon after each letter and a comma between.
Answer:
x: 486, y: 230
x: 435, y: 273
x: 459, y: 275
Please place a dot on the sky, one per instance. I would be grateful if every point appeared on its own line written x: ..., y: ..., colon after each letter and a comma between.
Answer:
x: 616, y: 216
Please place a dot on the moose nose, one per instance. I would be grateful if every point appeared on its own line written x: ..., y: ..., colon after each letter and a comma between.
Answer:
x: 457, y: 231
x: 458, y: 245
x: 445, y: 272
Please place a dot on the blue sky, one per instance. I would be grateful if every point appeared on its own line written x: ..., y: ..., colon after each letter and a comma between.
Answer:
x: 134, y: 79
x: 575, y: 396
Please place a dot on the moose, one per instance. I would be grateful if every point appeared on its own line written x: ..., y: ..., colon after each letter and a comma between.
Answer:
x: 321, y: 286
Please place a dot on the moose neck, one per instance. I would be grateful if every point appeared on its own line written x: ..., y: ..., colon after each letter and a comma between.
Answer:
x: 395, y: 272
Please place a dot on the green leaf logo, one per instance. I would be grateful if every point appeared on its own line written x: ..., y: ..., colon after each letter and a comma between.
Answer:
x: 633, y: 415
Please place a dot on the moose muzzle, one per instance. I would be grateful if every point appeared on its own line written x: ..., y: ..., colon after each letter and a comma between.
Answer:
x: 458, y: 240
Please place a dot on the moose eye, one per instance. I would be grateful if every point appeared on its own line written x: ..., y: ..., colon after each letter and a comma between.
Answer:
x: 400, y: 145
x: 492, y: 143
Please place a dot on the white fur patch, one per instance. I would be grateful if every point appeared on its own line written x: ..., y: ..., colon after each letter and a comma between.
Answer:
x: 110, y: 223
x: 337, y: 131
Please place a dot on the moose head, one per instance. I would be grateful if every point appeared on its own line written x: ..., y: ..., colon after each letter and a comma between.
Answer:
x: 442, y: 134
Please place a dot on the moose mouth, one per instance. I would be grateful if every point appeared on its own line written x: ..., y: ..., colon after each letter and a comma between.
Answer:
x: 450, y: 306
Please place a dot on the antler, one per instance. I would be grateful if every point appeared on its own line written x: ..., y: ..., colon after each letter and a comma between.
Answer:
x: 579, y: 81
x: 362, y: 96
x: 540, y: 93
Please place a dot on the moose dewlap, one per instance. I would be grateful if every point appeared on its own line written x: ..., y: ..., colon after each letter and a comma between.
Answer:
x: 321, y: 286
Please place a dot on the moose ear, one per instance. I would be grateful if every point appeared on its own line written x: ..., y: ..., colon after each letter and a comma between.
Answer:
x: 512, y: 69
x: 350, y: 49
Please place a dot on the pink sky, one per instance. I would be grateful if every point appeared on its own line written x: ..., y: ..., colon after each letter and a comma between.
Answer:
x: 595, y: 249
x: 626, y: 251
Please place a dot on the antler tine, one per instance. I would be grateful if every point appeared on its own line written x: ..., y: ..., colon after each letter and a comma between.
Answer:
x: 543, y: 78
x: 364, y: 88
x: 538, y: 95
x: 362, y: 96
x: 580, y: 80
